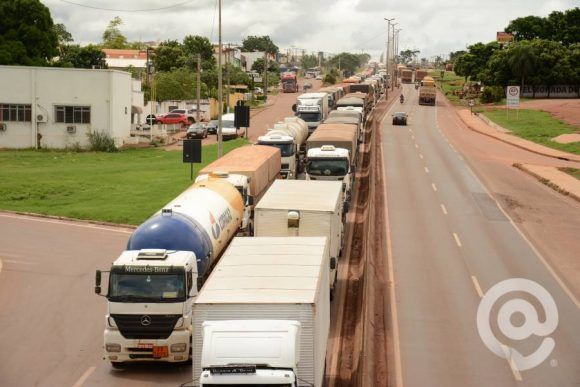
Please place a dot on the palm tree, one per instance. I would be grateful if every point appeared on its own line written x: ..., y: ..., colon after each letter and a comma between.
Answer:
x: 523, y: 61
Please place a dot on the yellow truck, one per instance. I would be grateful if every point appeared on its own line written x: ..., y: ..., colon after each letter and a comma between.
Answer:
x: 427, y: 91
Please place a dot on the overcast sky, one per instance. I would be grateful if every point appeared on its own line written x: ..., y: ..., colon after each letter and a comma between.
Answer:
x: 433, y: 27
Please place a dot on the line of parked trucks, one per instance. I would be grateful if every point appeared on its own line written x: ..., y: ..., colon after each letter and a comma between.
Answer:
x: 238, y: 271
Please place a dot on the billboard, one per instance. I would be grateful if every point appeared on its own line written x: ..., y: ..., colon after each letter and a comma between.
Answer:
x: 504, y: 37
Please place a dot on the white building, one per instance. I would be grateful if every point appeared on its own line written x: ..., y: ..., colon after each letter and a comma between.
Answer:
x: 57, y: 107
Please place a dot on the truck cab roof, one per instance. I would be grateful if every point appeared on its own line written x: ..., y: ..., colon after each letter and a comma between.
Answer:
x: 275, y: 139
x: 327, y: 151
x: 156, y: 257
x: 312, y: 96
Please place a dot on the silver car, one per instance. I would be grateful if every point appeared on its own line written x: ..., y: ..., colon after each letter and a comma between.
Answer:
x: 196, y: 131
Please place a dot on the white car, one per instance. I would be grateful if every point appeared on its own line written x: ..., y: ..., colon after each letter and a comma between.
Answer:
x: 229, y: 131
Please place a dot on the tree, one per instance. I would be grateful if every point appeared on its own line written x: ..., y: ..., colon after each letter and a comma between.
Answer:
x: 259, y: 43
x: 407, y: 55
x: 169, y: 56
x: 193, y: 45
x: 456, y: 54
x: 27, y: 34
x: 559, y: 26
x: 348, y: 62
x: 309, y: 61
x: 258, y: 66
x: 112, y: 37
x: 62, y: 34
x: 527, y: 28
x: 178, y: 84
x: 86, y: 57
x: 522, y: 60
x: 464, y: 65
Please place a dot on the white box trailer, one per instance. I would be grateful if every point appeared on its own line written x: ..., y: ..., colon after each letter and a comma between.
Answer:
x: 265, y: 279
x: 304, y: 208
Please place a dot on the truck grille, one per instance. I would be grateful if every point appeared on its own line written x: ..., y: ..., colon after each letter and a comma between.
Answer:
x: 150, y: 326
x: 285, y: 166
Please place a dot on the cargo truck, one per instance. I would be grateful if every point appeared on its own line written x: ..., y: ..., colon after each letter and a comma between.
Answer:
x: 305, y: 208
x: 289, y: 136
x: 289, y: 83
x: 263, y: 316
x: 312, y: 108
x: 251, y: 169
x: 331, y: 154
x: 406, y: 76
x: 427, y: 91
x: 153, y: 283
x: 420, y: 74
x: 356, y: 101
x: 347, y: 119
x: 335, y: 93
x: 367, y: 88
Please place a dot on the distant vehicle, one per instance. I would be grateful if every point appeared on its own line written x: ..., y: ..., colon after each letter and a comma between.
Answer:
x: 196, y: 130
x: 400, y: 118
x: 191, y: 114
x: 229, y: 131
x: 172, y: 118
x: 319, y: 77
x: 212, y: 127
x: 258, y: 90
x: 307, y: 86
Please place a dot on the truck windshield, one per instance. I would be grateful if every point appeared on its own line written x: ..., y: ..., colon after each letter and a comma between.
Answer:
x: 228, y: 124
x: 140, y: 287
x: 327, y: 167
x: 310, y: 117
x: 287, y: 150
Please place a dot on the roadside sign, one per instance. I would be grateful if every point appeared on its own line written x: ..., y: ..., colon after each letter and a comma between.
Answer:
x: 472, y: 102
x: 513, y: 96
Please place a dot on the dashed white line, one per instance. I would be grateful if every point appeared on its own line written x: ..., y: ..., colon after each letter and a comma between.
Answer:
x: 460, y: 158
x: 84, y: 376
x: 426, y: 170
x: 507, y: 352
x: 434, y: 187
x: 456, y: 237
x: 420, y: 155
x: 416, y: 146
x: 477, y: 286
x: 444, y: 209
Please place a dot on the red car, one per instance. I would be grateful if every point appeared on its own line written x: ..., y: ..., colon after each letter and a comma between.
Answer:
x: 173, y: 118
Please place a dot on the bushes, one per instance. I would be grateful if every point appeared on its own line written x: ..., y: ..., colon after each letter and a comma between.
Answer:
x: 101, y: 142
x: 329, y: 79
x: 492, y: 94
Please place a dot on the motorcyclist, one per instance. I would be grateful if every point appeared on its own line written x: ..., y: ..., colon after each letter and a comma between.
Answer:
x: 402, y: 98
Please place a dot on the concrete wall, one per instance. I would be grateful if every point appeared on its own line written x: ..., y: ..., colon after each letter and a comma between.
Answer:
x: 106, y: 92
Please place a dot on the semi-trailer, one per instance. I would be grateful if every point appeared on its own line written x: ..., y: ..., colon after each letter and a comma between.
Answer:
x: 289, y: 136
x: 289, y: 83
x: 354, y: 100
x: 351, y: 117
x: 251, y: 169
x: 152, y: 284
x: 305, y: 208
x: 335, y: 93
x: 312, y: 108
x: 331, y: 154
x: 263, y: 316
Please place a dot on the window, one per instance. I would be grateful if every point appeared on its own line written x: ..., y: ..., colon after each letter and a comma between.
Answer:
x: 13, y: 112
x: 73, y: 114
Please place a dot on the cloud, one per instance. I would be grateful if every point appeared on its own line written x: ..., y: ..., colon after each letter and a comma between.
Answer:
x: 433, y: 27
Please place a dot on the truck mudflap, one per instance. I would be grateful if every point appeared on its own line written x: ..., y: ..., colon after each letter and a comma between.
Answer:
x: 176, y: 348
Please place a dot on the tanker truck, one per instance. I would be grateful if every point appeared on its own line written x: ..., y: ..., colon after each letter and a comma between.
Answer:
x: 251, y: 169
x: 289, y: 136
x: 153, y: 283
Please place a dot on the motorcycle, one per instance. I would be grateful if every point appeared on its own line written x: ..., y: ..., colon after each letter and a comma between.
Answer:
x: 402, y: 99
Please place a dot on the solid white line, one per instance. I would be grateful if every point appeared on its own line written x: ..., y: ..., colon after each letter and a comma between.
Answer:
x: 421, y: 155
x: 434, y: 187
x: 457, y: 239
x: 0, y: 266
x: 18, y: 262
x: 84, y: 376
x: 392, y: 295
x: 65, y: 223
x: 508, y: 356
x: 426, y: 170
x: 477, y: 287
x: 444, y: 209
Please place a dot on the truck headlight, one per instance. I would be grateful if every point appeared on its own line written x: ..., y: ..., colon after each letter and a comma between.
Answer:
x: 179, y: 323
x: 179, y: 347
x: 111, y: 322
x: 112, y: 347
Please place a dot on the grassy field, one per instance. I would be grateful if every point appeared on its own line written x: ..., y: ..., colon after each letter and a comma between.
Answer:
x: 448, y: 84
x: 535, y: 125
x: 572, y: 171
x: 124, y: 187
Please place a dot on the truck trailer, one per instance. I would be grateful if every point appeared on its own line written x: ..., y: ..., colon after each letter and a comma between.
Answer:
x: 427, y: 91
x: 305, y: 208
x: 153, y: 283
x: 312, y: 108
x: 406, y: 76
x: 263, y: 316
x: 251, y: 169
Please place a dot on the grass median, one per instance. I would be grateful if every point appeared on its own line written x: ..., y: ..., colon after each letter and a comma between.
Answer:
x: 535, y: 125
x: 123, y: 187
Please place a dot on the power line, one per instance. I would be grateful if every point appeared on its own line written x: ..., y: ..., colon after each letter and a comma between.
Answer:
x: 127, y: 10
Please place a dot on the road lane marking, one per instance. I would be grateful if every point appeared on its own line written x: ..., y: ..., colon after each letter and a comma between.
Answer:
x: 66, y: 223
x: 392, y: 295
x: 444, y: 209
x: 426, y: 170
x: 477, y: 286
x: 460, y: 158
x: 413, y: 137
x: 434, y: 187
x: 508, y: 356
x: 421, y: 156
x: 19, y: 262
x: 416, y: 146
x: 0, y: 266
x: 84, y: 376
x: 456, y: 237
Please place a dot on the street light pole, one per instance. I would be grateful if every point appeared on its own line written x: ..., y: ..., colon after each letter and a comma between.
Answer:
x: 220, y: 91
x: 387, y: 62
x: 393, y: 52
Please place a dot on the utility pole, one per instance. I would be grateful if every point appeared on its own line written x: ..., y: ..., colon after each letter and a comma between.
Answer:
x: 228, y: 77
x: 198, y: 91
x: 265, y: 77
x: 220, y: 81
x: 387, y: 56
x: 394, y: 57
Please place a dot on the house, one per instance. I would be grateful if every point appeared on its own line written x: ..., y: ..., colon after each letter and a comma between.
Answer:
x: 230, y: 54
x: 51, y: 107
x: 122, y: 58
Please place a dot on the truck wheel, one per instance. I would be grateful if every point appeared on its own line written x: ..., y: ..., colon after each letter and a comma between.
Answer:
x: 117, y: 365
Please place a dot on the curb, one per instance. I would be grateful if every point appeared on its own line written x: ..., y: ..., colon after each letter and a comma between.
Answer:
x: 67, y: 219
x: 547, y: 182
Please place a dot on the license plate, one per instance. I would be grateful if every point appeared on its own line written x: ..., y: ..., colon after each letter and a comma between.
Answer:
x: 144, y: 346
x: 159, y: 352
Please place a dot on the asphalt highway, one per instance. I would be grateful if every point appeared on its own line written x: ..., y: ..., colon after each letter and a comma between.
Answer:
x: 451, y: 243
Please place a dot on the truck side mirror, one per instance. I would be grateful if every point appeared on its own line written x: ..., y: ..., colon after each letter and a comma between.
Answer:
x: 98, y: 282
x: 353, y: 168
x: 294, y: 108
x: 250, y: 201
x: 345, y: 208
x: 332, y: 263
